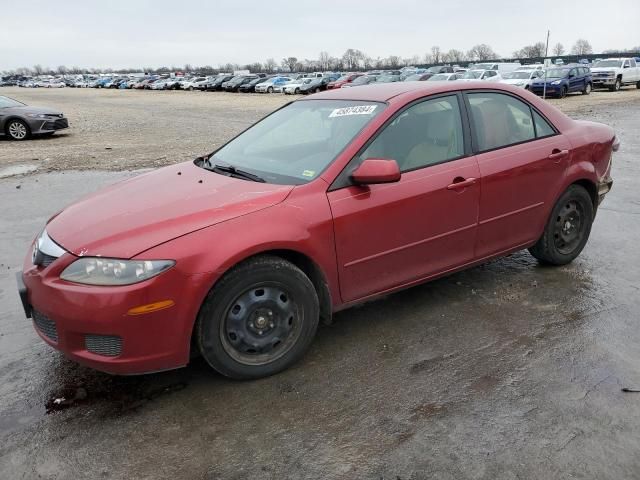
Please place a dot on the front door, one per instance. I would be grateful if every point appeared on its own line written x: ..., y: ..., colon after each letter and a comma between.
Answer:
x: 394, y: 234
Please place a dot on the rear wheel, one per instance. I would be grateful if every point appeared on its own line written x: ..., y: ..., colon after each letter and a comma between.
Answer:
x: 17, y: 130
x: 568, y: 228
x: 259, y: 319
x: 587, y: 89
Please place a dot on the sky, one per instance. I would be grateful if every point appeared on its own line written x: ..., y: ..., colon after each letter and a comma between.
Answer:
x: 137, y: 33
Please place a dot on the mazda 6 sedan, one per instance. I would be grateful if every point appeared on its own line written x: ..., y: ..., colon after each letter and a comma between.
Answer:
x: 325, y: 203
x: 19, y: 121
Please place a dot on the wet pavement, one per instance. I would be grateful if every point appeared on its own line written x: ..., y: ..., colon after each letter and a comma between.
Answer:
x: 508, y: 370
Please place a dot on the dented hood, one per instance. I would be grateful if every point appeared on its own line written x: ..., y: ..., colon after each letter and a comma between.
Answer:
x: 132, y: 216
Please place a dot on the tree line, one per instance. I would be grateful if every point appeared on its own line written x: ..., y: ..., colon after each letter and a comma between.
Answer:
x: 351, y: 59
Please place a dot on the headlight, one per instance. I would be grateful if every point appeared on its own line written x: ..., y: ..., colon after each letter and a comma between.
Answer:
x: 37, y: 115
x: 520, y: 84
x: 112, y: 271
x: 557, y: 82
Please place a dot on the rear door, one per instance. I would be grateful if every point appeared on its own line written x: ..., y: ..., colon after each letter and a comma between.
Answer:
x: 394, y: 234
x: 522, y: 161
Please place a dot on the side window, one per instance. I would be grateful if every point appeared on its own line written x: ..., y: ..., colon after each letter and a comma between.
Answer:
x: 543, y: 129
x: 632, y: 61
x: 427, y: 133
x: 500, y: 120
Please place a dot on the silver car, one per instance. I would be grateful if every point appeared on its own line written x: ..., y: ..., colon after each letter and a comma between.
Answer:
x: 19, y: 121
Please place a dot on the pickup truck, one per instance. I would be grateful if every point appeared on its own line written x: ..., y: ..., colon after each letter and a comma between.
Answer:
x: 613, y: 73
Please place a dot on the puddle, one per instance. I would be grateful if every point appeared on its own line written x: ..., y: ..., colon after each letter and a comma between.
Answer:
x: 12, y: 170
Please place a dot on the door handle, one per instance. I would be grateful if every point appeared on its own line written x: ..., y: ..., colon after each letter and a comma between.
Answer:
x: 460, y: 182
x: 558, y: 154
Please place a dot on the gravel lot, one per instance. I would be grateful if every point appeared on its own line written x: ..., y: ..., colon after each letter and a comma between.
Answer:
x: 121, y: 130
x: 505, y: 371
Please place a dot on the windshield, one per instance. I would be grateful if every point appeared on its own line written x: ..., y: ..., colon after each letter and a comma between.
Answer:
x: 388, y: 78
x: 608, y: 63
x: 295, y: 144
x: 413, y: 78
x: 434, y: 69
x: 343, y: 78
x: 472, y: 74
x: 516, y: 75
x: 557, y: 72
x: 483, y: 66
x: 6, y: 102
x: 439, y: 77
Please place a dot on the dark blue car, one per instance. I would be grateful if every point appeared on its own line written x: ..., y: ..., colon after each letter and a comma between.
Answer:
x: 563, y: 80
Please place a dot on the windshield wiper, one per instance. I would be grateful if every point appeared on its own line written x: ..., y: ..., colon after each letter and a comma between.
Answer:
x: 231, y: 171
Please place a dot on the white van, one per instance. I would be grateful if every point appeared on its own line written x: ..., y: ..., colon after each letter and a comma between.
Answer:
x: 500, y: 67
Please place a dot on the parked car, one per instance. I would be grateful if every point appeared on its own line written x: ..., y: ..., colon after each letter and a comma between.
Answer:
x: 613, y: 73
x: 288, y: 213
x: 362, y: 80
x: 19, y: 121
x: 531, y: 66
x: 445, y: 77
x: 419, y: 77
x: 293, y: 88
x: 217, y: 83
x: 269, y: 85
x: 234, y: 85
x: 500, y: 67
x: 348, y: 78
x: 484, y: 75
x: 191, y: 83
x: 388, y: 78
x: 250, y: 87
x: 317, y: 85
x: 563, y: 80
x: 55, y: 84
x: 521, y: 78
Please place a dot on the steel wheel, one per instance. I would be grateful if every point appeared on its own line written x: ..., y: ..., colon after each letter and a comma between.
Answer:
x: 569, y: 228
x: 587, y: 89
x: 17, y: 130
x: 260, y: 325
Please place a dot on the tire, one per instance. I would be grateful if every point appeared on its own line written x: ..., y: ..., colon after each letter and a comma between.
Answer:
x: 564, y: 91
x: 317, y: 90
x: 568, y: 228
x: 616, y: 86
x: 190, y: 88
x: 587, y: 89
x: 270, y: 90
x: 264, y: 289
x: 17, y: 130
x: 638, y: 85
x: 297, y: 91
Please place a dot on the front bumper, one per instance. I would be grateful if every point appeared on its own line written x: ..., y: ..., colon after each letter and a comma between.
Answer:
x: 551, y: 89
x: 599, y: 81
x: 91, y: 324
x: 47, y: 125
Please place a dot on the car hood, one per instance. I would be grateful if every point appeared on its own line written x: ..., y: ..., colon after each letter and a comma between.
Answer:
x: 604, y: 69
x: 132, y: 216
x: 27, y: 109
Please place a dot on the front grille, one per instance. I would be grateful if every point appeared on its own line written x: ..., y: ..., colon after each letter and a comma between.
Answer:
x: 107, y: 345
x: 45, y: 325
x: 56, y: 124
x: 47, y: 260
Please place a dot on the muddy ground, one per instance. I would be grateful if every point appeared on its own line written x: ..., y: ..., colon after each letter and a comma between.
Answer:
x: 509, y: 370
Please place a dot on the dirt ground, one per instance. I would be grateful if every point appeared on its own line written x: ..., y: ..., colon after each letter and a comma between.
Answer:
x: 131, y: 129
x: 506, y: 371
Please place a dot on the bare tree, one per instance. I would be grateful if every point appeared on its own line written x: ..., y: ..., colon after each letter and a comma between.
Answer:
x: 581, y: 47
x: 62, y: 70
x: 455, y: 55
x: 481, y: 52
x: 558, y: 49
x: 38, y: 69
x: 289, y: 63
x: 393, y: 61
x: 436, y: 54
x: 270, y: 65
x: 324, y: 61
x: 531, y: 51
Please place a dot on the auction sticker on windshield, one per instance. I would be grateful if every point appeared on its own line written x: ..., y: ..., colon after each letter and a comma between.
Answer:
x: 355, y: 110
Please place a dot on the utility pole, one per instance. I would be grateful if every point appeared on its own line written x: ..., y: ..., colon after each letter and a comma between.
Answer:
x: 546, y: 53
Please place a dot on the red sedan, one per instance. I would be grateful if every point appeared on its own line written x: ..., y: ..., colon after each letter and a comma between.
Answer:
x: 343, y: 80
x: 327, y: 202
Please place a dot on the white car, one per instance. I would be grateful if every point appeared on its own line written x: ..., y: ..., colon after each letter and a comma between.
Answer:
x: 192, y: 83
x: 500, y: 67
x: 484, y: 75
x: 270, y: 85
x: 613, y: 73
x: 532, y: 66
x: 521, y: 78
x: 293, y: 88
x: 444, y: 77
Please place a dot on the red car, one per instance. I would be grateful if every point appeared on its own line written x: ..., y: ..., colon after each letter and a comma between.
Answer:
x: 329, y: 201
x: 348, y: 78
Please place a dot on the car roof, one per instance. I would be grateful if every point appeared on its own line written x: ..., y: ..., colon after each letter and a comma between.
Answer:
x: 386, y: 91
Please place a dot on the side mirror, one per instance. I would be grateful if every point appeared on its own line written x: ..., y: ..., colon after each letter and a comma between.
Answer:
x: 376, y: 170
x: 571, y: 75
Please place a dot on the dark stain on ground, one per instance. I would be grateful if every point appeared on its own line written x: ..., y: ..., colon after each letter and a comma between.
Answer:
x: 431, y: 363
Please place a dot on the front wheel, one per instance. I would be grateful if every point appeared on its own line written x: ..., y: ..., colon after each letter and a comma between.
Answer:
x: 259, y: 319
x: 270, y: 90
x: 616, y: 86
x: 587, y: 89
x: 17, y: 130
x: 563, y: 92
x: 317, y: 90
x: 568, y: 228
